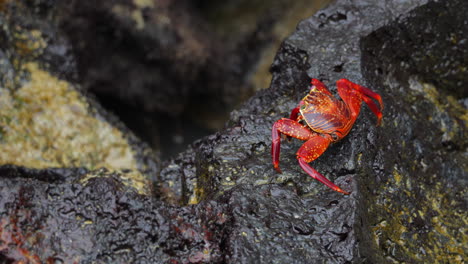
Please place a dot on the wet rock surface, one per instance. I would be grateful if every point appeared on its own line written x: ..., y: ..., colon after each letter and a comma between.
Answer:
x: 416, y: 213
x: 51, y: 216
x: 222, y: 202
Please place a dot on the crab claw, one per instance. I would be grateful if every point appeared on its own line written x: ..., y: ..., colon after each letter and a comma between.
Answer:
x: 319, y: 86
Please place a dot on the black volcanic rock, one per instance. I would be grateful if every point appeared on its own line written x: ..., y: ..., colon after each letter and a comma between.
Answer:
x: 221, y: 200
x: 80, y: 216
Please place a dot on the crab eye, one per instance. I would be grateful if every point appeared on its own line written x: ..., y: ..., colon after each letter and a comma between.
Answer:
x: 334, y: 136
x: 303, y: 107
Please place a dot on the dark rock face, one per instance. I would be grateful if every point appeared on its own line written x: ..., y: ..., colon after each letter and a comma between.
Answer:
x: 425, y: 54
x: 420, y: 64
x: 407, y: 178
x: 49, y: 216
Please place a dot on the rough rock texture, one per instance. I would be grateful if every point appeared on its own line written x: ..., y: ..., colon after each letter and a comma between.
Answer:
x: 50, y: 216
x: 418, y: 212
x: 236, y: 208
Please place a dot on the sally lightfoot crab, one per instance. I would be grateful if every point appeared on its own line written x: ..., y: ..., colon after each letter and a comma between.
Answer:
x: 321, y: 119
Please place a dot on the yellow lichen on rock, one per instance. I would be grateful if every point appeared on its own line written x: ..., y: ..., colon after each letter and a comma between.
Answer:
x: 144, y: 3
x: 29, y: 42
x: 436, y: 211
x: 47, y: 123
x: 131, y: 178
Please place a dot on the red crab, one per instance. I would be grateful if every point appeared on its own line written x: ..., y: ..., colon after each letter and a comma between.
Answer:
x: 321, y: 119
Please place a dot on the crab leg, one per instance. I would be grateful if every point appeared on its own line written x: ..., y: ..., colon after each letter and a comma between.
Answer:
x: 353, y: 94
x: 363, y: 90
x: 294, y: 113
x: 290, y: 128
x: 373, y: 107
x: 369, y: 93
x: 316, y: 84
x: 310, y: 151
